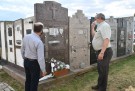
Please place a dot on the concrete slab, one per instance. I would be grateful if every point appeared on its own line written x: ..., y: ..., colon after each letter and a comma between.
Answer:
x: 5, y: 87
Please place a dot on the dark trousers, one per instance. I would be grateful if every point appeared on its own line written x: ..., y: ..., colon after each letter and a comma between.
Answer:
x: 32, y: 71
x: 103, y: 69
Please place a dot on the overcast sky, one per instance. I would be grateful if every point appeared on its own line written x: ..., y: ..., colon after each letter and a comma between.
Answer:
x: 15, y: 9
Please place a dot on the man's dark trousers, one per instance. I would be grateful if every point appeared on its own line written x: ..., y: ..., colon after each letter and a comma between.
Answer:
x: 32, y: 71
x: 103, y: 69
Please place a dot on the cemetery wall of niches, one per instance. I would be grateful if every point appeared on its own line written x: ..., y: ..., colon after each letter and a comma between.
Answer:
x: 65, y: 38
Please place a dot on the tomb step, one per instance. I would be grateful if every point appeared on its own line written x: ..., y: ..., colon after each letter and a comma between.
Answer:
x: 15, y: 72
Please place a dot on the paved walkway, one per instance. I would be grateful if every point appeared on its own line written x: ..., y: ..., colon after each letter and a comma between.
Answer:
x: 5, y: 87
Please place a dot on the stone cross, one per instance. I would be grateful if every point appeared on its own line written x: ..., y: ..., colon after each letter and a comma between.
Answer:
x: 54, y: 9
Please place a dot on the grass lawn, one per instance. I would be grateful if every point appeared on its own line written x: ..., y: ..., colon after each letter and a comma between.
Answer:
x: 121, y: 76
x: 4, y: 77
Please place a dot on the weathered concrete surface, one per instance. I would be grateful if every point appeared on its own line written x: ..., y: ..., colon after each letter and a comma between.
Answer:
x: 5, y: 87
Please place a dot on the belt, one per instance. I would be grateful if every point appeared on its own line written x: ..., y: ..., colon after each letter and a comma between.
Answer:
x: 30, y: 59
x: 105, y: 50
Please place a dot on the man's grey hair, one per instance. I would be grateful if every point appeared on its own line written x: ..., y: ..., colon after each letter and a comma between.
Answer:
x: 101, y: 16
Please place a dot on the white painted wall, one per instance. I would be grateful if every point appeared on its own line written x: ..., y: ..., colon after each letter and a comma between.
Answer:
x: 3, y: 52
x: 19, y: 59
x: 18, y: 32
x: 28, y: 25
x: 18, y: 36
x: 11, y: 54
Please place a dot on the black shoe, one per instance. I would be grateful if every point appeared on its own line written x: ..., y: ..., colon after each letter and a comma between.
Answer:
x: 95, y: 87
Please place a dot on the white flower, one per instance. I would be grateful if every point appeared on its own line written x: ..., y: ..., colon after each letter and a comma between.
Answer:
x: 54, y: 61
x: 55, y: 69
x: 67, y: 66
x: 58, y: 65
x: 61, y: 66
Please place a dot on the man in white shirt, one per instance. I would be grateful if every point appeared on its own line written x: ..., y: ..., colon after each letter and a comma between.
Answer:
x: 32, y: 51
x: 101, y: 44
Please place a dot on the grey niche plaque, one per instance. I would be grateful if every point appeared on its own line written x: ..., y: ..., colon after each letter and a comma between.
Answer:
x: 55, y: 20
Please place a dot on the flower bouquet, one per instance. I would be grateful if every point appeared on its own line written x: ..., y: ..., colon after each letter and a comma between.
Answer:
x: 59, y: 68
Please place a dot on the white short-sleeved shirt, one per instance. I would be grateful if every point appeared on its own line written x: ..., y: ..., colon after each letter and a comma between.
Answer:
x: 103, y: 32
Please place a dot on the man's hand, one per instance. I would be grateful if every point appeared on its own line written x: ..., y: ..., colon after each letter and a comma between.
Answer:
x: 100, y: 56
x: 43, y: 74
x: 93, y: 28
x: 104, y: 46
x: 93, y: 25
